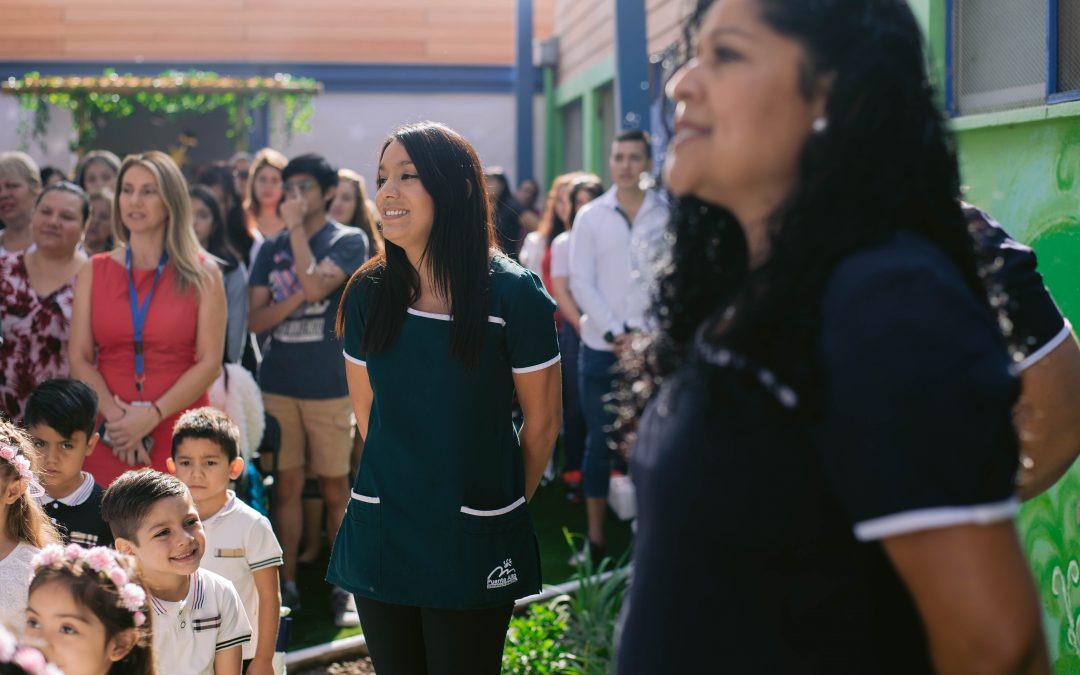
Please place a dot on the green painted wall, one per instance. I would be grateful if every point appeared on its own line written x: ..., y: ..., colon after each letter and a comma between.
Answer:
x: 584, y: 87
x: 1028, y: 176
x: 1023, y: 166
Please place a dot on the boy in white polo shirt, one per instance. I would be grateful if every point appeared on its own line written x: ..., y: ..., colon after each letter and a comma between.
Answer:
x: 240, y: 544
x: 199, y: 625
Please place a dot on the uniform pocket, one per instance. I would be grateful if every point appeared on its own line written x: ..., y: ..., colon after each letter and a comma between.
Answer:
x: 356, y: 561
x: 499, y: 556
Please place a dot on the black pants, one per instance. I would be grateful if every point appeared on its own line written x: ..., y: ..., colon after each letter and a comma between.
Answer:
x: 405, y: 640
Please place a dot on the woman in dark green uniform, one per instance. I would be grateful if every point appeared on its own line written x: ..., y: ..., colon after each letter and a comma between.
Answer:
x: 440, y: 331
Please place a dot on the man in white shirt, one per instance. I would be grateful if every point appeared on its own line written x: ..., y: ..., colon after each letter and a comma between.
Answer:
x: 615, y: 246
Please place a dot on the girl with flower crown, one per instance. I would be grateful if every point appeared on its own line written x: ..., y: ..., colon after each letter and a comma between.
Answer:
x: 16, y: 659
x: 88, y: 611
x: 24, y: 527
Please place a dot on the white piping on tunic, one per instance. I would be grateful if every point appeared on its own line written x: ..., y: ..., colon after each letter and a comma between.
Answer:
x: 364, y: 498
x: 353, y: 359
x: 1050, y: 346
x: 496, y: 512
x: 539, y: 366
x: 935, y: 518
x: 446, y: 317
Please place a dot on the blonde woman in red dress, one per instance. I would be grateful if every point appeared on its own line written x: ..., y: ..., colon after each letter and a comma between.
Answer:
x: 148, y: 326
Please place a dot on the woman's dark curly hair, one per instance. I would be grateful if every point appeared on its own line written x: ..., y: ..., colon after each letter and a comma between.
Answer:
x: 884, y: 163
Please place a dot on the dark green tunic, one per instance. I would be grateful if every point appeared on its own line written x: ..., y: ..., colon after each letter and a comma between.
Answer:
x: 438, y: 516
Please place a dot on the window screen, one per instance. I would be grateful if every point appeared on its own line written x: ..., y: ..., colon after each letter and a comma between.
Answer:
x: 999, y: 54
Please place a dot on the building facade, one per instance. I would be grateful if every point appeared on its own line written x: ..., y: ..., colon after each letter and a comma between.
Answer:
x: 382, y: 63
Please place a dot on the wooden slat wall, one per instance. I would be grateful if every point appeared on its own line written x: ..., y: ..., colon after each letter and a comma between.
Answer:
x: 349, y: 31
x: 586, y: 30
x: 663, y: 22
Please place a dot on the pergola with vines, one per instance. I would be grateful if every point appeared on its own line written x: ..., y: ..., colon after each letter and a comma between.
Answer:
x: 171, y: 94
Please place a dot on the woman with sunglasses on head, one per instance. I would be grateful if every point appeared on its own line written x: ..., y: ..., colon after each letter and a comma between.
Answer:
x: 97, y: 170
x: 825, y: 471
x: 440, y: 331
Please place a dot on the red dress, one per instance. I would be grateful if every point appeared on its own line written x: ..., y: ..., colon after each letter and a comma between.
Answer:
x: 168, y: 349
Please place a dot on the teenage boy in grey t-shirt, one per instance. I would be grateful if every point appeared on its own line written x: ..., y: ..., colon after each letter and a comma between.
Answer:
x: 296, y: 285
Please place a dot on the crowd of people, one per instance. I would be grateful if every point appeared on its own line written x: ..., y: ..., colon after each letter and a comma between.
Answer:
x: 830, y: 379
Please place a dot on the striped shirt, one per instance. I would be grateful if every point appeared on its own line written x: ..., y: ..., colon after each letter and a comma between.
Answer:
x: 239, y: 542
x: 193, y: 630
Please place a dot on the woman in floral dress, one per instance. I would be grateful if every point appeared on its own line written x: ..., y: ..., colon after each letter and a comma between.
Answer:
x: 36, y: 290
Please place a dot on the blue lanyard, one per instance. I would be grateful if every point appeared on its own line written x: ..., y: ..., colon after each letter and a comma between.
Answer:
x: 138, y: 313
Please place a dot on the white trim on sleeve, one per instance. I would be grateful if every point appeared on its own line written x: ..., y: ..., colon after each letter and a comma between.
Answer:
x: 364, y: 498
x: 353, y: 359
x: 1050, y: 346
x: 496, y: 512
x: 934, y: 518
x: 539, y: 366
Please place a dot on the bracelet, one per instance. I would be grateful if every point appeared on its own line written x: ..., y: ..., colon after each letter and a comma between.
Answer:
x: 161, y: 415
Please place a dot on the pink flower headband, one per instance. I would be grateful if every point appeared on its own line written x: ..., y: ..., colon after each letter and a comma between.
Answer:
x: 22, y: 465
x: 29, y: 659
x: 103, y: 561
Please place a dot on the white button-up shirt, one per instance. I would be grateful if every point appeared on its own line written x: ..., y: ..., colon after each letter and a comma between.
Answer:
x: 613, y: 264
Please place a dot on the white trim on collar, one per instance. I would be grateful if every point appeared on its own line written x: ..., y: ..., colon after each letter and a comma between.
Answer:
x: 446, y: 317
x: 229, y: 506
x: 80, y: 495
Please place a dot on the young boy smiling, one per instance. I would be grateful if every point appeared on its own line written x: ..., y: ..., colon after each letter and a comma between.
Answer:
x: 240, y: 544
x: 198, y: 619
x: 60, y: 417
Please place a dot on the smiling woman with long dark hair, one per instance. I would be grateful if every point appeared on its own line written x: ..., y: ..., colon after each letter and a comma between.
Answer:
x: 825, y: 471
x: 440, y: 331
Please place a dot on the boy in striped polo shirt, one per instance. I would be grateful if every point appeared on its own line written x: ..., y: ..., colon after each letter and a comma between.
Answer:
x: 240, y: 544
x: 199, y: 624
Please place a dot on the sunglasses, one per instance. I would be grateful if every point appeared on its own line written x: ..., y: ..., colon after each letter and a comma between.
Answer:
x: 301, y: 185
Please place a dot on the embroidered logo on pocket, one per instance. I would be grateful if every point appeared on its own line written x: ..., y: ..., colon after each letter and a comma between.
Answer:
x: 502, y: 576
x: 229, y: 553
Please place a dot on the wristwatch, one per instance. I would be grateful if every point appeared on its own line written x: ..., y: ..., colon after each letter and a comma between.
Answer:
x: 609, y: 337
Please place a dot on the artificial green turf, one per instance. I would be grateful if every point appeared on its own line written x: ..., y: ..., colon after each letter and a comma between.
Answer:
x: 551, y: 512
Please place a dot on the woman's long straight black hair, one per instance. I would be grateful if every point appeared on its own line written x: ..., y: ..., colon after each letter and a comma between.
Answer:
x: 458, y: 251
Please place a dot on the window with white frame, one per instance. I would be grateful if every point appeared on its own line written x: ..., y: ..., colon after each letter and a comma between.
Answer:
x: 999, y: 50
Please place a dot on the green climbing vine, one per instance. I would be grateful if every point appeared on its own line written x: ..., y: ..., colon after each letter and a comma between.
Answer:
x: 171, y: 94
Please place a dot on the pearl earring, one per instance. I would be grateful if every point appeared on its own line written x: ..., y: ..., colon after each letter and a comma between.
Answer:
x: 820, y: 124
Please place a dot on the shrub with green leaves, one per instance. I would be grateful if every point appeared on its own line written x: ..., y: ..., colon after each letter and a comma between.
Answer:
x: 535, y: 642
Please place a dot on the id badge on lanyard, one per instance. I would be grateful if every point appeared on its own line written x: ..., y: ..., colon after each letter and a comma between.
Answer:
x: 139, y: 312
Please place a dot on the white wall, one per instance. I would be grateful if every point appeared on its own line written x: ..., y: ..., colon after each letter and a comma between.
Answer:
x: 56, y: 139
x: 348, y: 129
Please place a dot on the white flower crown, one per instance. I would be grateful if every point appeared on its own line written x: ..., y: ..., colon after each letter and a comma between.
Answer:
x: 22, y: 465
x: 29, y: 659
x: 104, y: 561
